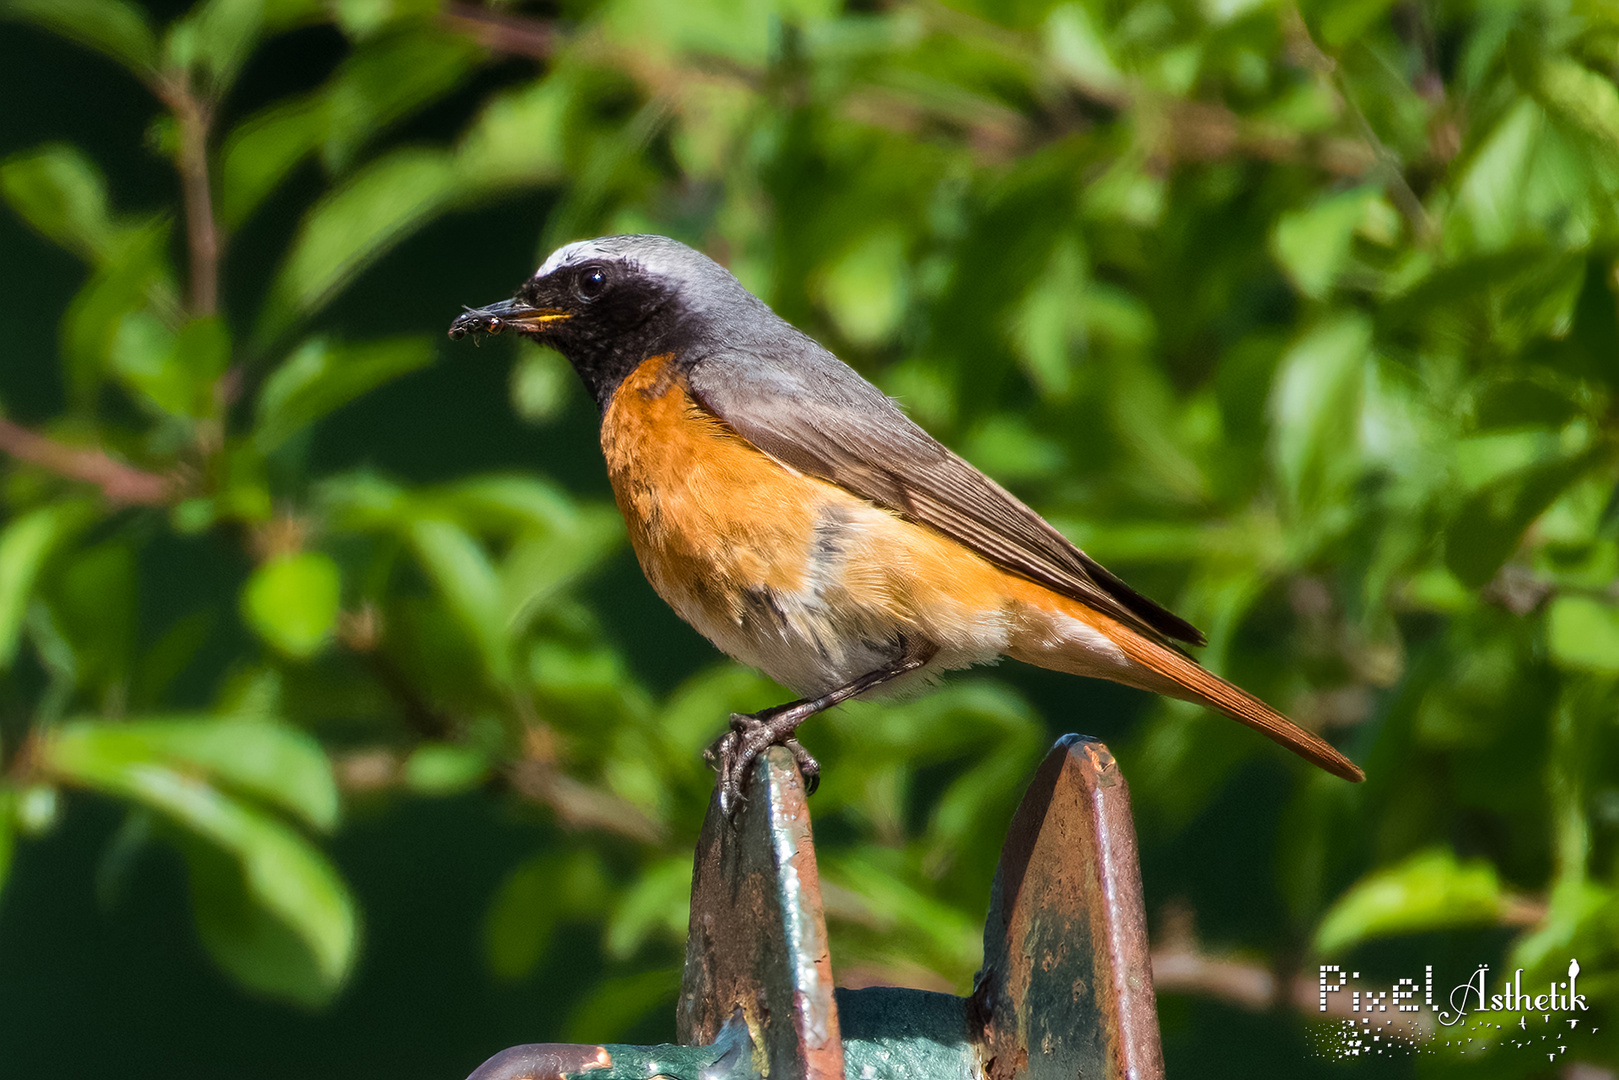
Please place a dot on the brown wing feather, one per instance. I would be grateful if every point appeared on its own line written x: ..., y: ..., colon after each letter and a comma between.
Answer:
x: 826, y: 421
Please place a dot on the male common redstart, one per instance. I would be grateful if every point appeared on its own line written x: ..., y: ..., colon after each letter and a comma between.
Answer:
x: 788, y: 510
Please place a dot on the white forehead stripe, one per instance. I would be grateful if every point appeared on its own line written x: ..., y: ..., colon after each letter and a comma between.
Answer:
x: 654, y: 254
x: 675, y: 266
x: 564, y: 255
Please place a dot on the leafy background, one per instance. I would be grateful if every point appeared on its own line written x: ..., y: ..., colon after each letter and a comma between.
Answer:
x: 339, y: 730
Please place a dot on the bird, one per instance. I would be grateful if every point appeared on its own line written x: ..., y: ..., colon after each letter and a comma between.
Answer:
x: 794, y: 515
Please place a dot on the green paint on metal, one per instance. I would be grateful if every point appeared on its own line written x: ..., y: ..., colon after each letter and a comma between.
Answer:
x: 730, y: 1057
x: 891, y: 1033
x: 757, y: 940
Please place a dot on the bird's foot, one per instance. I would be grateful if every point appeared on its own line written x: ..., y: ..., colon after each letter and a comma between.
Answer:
x: 732, y: 755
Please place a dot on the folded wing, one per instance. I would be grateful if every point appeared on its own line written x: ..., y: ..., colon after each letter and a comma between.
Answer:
x: 817, y: 415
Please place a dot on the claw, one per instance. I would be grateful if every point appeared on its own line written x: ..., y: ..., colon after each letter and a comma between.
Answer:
x: 732, y: 756
x: 808, y: 767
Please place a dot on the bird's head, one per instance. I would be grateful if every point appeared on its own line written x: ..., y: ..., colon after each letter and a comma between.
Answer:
x: 608, y: 304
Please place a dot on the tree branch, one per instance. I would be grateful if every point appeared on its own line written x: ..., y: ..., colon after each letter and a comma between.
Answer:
x: 537, y: 776
x: 194, y: 116
x: 512, y: 34
x: 1182, y: 969
x: 577, y: 805
x: 361, y: 633
x: 1388, y: 163
x: 120, y: 484
x: 1180, y: 966
x: 1187, y: 131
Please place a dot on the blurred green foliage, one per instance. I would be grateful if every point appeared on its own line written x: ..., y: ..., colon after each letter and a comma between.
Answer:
x: 1302, y: 318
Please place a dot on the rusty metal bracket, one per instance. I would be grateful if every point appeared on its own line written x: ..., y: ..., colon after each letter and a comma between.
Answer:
x: 1065, y: 990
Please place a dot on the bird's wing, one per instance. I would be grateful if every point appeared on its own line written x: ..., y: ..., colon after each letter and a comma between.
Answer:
x: 814, y: 413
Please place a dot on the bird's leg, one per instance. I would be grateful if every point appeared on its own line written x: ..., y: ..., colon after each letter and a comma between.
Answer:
x: 751, y: 733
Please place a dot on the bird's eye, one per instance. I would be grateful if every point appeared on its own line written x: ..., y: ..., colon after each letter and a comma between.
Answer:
x: 592, y: 283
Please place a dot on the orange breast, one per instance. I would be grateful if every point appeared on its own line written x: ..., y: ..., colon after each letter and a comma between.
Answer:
x: 709, y: 515
x: 788, y: 572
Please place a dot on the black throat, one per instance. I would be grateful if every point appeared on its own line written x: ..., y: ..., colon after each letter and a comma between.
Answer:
x: 605, y: 344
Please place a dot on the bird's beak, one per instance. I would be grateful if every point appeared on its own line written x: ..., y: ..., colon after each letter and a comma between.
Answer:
x: 508, y: 313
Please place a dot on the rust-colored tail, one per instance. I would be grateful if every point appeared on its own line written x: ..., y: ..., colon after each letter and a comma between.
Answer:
x: 1195, y: 683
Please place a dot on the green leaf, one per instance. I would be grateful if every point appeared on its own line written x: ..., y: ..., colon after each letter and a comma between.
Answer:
x: 939, y: 933
x: 522, y: 920
x: 1583, y: 634
x: 592, y: 682
x: 175, y: 370
x: 864, y: 289
x: 1488, y: 527
x: 61, y: 663
x: 143, y: 356
x: 539, y: 893
x: 215, y: 38
x: 118, y: 29
x: 694, y: 715
x: 1340, y: 22
x: 1183, y: 757
x: 1011, y: 449
x: 1514, y: 403
x: 657, y: 904
x: 93, y: 603
x: 539, y: 568
x: 280, y: 15
x: 739, y: 30
x: 202, y: 353
x: 351, y: 227
x: 469, y: 584
x: 243, y: 493
x: 294, y: 940
x: 135, y: 277
x: 518, y: 927
x: 1582, y: 918
x: 276, y: 916
x: 367, y: 94
x: 1491, y: 197
x: 262, y: 150
x: 1580, y: 98
x: 1314, y: 405
x: 292, y: 602
x: 362, y: 19
x: 518, y: 138
x: 254, y: 692
x: 265, y: 759
x: 38, y: 809
x: 170, y: 655
x: 612, y: 1007
x: 25, y: 544
x: 1596, y: 319
x: 541, y: 383
x: 986, y: 793
x: 1079, y: 51
x: 60, y: 192
x: 321, y: 377
x: 361, y: 501
x: 509, y: 501
x: 8, y: 835
x: 357, y: 105
x: 1049, y: 319
x: 1431, y: 890
x: 445, y: 768
x: 1313, y: 244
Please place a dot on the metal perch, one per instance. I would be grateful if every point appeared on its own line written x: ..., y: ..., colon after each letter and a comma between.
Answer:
x: 1065, y: 990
